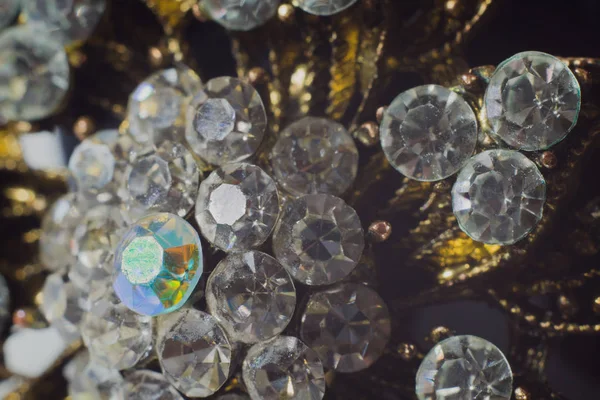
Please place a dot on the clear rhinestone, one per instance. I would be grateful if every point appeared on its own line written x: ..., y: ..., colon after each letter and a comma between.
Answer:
x: 4, y: 302
x: 226, y: 121
x: 251, y: 295
x: 324, y: 7
x: 35, y: 74
x: 158, y: 263
x: 532, y: 101
x: 194, y: 352
x: 8, y: 11
x: 348, y: 326
x: 499, y: 197
x: 63, y: 305
x: 283, y: 368
x: 97, y: 382
x: 241, y: 15
x: 464, y: 367
x: 318, y: 239
x: 237, y: 207
x: 149, y: 385
x: 315, y: 155
x: 157, y: 107
x: 428, y: 133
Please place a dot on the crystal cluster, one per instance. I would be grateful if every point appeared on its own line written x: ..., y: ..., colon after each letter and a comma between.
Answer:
x: 241, y: 15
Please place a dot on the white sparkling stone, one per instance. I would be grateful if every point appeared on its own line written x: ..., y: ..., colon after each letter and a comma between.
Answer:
x: 499, y: 197
x: 237, y: 207
x: 97, y: 382
x: 241, y: 15
x: 318, y: 239
x: 428, y: 133
x: 314, y: 155
x: 464, y: 367
x: 348, y: 326
x: 226, y: 121
x: 34, y: 77
x: 63, y: 304
x: 251, y: 295
x: 532, y: 101
x: 8, y: 11
x: 149, y: 385
x: 194, y: 352
x: 324, y: 7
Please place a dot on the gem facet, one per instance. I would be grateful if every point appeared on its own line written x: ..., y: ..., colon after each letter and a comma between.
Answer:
x: 464, y: 367
x: 324, y: 7
x: 63, y: 305
x: 318, y: 239
x: 499, y: 197
x: 144, y: 384
x: 241, y: 15
x: 158, y: 263
x: 428, y: 133
x: 532, y: 101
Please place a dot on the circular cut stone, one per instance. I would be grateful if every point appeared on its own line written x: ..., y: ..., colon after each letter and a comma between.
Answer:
x: 241, y: 15
x: 158, y: 263
x: 145, y: 384
x: 464, y: 367
x: 348, y: 326
x: 251, y: 295
x: 324, y: 7
x: 194, y: 352
x: 532, y: 101
x: 283, y: 368
x: 318, y: 239
x: 226, y: 121
x: 34, y: 74
x: 97, y: 382
x: 237, y: 207
x: 314, y: 155
x: 428, y: 133
x: 8, y: 11
x: 63, y: 305
x: 499, y: 197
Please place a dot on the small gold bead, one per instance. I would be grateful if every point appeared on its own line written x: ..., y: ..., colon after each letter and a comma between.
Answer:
x: 442, y: 187
x: 596, y: 305
x: 548, y: 160
x: 407, y: 351
x: 380, y: 231
x: 286, y: 12
x: 379, y: 114
x: 83, y: 127
x: 566, y: 305
x: 521, y: 394
x: 440, y: 333
x: 156, y: 57
x: 257, y: 76
x: 367, y: 134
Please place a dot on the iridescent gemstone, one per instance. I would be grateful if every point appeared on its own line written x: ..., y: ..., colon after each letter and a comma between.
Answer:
x: 8, y: 11
x: 97, y: 382
x: 144, y: 384
x: 63, y: 305
x: 158, y: 263
x: 240, y: 15
x: 324, y: 7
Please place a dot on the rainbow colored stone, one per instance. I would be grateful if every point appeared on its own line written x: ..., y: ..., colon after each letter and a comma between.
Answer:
x: 158, y: 263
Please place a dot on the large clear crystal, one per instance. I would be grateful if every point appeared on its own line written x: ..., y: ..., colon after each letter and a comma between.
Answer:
x: 237, y: 207
x: 34, y: 74
x: 145, y: 384
x: 251, y: 295
x: 464, y: 367
x: 241, y: 15
x: 499, y: 197
x: 315, y: 155
x: 283, y: 368
x: 63, y: 304
x: 428, y: 133
x: 8, y: 11
x: 226, y: 121
x: 324, y: 7
x: 532, y: 101
x: 348, y: 326
x: 97, y: 382
x: 318, y: 239
x: 194, y: 352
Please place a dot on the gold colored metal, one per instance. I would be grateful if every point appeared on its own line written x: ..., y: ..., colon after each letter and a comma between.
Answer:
x: 407, y: 351
x: 380, y: 231
x: 548, y: 160
x: 521, y: 394
x: 439, y: 333
x: 367, y: 134
x: 84, y: 127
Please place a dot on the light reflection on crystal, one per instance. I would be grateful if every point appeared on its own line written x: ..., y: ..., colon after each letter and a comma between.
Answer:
x: 241, y: 15
x: 145, y: 384
x: 324, y: 7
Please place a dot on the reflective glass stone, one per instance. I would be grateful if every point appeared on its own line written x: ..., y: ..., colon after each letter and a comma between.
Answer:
x: 314, y: 155
x: 324, y: 7
x: 241, y: 15
x: 63, y: 305
x: 97, y: 382
x: 8, y: 11
x: 144, y: 384
x: 464, y: 367
x: 498, y: 197
x: 428, y: 133
x: 532, y: 101
x: 158, y: 263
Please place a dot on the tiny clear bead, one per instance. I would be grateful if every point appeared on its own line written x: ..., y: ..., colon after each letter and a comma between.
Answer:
x: 144, y: 384
x: 324, y: 7
x: 241, y: 15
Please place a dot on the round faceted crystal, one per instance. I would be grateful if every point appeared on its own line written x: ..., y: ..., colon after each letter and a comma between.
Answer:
x: 145, y: 384
x: 158, y: 263
x: 156, y: 108
x: 194, y: 352
x: 251, y: 295
x: 532, y: 101
x: 226, y: 121
x: 8, y: 11
x: 241, y: 15
x: 318, y: 239
x: 283, y: 368
x: 499, y: 197
x: 464, y: 367
x: 324, y: 7
x: 63, y: 305
x: 97, y: 382
x: 348, y: 326
x: 428, y: 133
x: 237, y: 207
x: 34, y: 74
x: 315, y: 155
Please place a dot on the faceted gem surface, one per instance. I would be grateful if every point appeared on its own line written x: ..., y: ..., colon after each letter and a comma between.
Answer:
x: 348, y: 326
x: 145, y: 384
x: 464, y: 367
x: 241, y: 15
x: 324, y: 7
x: 226, y: 121
x: 314, y: 155
x: 156, y: 108
x: 428, y: 133
x: 532, y: 101
x: 499, y: 197
x: 34, y: 74
x: 318, y: 239
x: 63, y: 305
x: 158, y: 263
x: 283, y: 368
x: 237, y: 207
x: 97, y: 382
x: 8, y: 11
x: 194, y: 352
x: 251, y: 295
